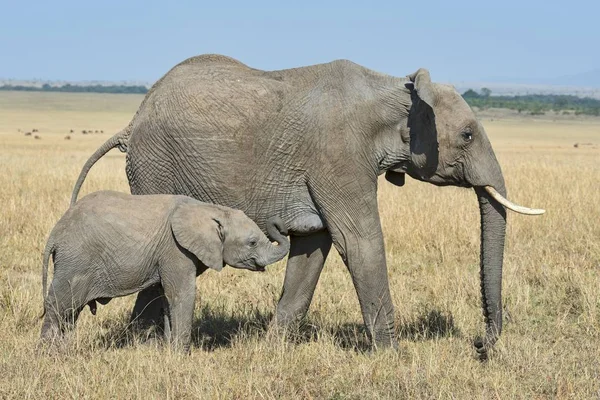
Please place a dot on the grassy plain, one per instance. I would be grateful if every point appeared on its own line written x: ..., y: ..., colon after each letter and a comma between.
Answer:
x: 550, y: 347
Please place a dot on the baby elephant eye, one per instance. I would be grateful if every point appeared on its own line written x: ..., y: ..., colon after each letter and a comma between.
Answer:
x: 252, y: 243
x: 468, y: 136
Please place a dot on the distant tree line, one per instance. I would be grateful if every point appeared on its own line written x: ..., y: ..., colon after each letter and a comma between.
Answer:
x: 535, y: 104
x: 138, y: 89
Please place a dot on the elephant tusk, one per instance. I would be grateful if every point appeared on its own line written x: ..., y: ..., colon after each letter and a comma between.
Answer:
x: 510, y: 205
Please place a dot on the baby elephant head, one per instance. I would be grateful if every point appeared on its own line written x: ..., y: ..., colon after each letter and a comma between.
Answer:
x: 219, y: 236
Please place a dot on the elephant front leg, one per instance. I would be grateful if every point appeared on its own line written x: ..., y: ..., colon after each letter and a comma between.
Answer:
x: 180, y: 292
x: 365, y: 259
x: 349, y: 207
x: 304, y: 266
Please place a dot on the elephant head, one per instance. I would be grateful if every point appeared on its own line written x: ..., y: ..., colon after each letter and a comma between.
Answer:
x: 245, y: 246
x: 449, y: 146
x: 227, y: 237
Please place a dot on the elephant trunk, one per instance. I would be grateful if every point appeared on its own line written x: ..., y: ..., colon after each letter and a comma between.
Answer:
x: 493, y: 227
x: 276, y: 231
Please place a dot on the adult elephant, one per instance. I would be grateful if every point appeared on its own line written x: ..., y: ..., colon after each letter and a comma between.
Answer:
x: 308, y: 144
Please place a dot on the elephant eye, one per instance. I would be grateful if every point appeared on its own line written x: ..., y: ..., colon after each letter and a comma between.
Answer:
x: 467, y: 135
x: 252, y: 243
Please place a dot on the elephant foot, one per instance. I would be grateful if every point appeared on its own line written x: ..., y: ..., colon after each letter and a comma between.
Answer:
x: 282, y: 323
x: 285, y: 319
x: 483, y: 348
x: 291, y: 328
x: 53, y: 341
x: 47, y: 347
x: 383, y: 341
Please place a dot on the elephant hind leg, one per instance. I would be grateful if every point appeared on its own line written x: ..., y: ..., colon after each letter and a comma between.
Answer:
x: 149, y: 308
x: 51, y: 327
x: 304, y: 266
x: 63, y: 305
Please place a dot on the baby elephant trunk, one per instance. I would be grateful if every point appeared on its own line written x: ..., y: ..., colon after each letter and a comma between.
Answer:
x: 277, y: 232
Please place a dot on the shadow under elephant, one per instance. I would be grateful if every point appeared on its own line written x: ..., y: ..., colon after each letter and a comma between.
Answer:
x: 216, y: 327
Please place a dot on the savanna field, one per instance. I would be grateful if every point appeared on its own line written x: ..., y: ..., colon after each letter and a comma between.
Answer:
x: 550, y: 347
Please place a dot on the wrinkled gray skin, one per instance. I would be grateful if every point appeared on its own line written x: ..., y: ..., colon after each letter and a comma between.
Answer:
x: 113, y: 244
x: 308, y: 144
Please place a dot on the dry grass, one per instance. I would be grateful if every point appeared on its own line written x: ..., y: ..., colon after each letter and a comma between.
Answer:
x: 550, y: 347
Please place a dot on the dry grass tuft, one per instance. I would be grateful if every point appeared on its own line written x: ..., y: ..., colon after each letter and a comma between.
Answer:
x: 550, y: 347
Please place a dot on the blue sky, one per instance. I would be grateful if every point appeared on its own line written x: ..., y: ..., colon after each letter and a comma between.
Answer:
x: 502, y: 40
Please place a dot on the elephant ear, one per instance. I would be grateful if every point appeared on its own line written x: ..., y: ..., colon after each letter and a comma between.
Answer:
x: 424, y: 146
x: 199, y: 232
x: 421, y: 81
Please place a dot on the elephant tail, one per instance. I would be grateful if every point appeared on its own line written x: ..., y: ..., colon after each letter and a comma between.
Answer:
x: 48, y: 251
x: 118, y: 140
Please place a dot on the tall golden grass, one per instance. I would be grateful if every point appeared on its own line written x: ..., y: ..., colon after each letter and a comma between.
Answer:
x: 550, y: 347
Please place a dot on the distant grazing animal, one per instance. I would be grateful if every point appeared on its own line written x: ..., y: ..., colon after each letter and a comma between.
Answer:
x: 308, y: 144
x: 84, y: 132
x: 27, y: 133
x: 101, y: 131
x: 34, y: 130
x: 96, y: 131
x: 68, y: 137
x: 71, y: 131
x: 37, y: 137
x: 112, y: 244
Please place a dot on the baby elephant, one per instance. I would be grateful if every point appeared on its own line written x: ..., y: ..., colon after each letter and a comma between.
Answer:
x: 112, y: 244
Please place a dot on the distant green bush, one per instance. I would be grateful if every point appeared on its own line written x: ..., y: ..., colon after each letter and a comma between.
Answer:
x: 534, y: 104
x: 137, y: 89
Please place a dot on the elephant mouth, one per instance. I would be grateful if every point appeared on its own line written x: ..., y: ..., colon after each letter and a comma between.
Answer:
x: 452, y: 179
x: 441, y: 181
x: 254, y: 267
x: 250, y: 266
x: 438, y: 180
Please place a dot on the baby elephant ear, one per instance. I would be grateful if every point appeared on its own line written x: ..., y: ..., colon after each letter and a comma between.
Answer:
x: 199, y: 232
